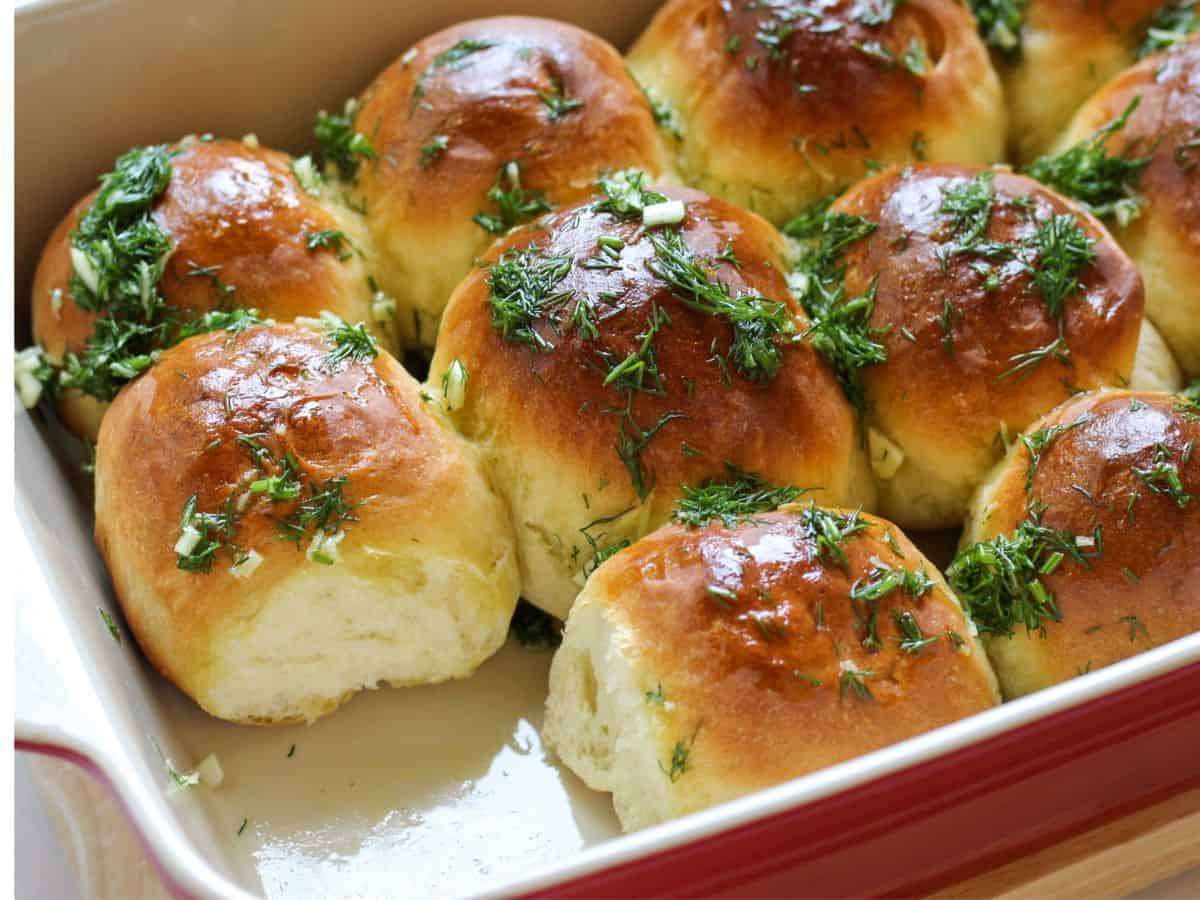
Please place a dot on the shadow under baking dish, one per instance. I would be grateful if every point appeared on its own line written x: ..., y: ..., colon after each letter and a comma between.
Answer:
x: 433, y: 791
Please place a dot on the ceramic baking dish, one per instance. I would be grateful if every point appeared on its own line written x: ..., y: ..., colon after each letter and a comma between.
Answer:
x: 446, y: 790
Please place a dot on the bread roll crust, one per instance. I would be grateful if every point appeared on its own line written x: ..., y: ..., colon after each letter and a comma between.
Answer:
x: 753, y: 682
x: 947, y: 394
x: 1165, y: 238
x: 540, y: 412
x: 180, y: 431
x: 240, y: 224
x: 491, y: 106
x: 1142, y: 588
x: 1068, y: 51
x: 778, y: 110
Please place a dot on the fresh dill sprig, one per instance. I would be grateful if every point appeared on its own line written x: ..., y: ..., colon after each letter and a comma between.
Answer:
x: 1171, y: 25
x: 626, y: 194
x: 522, y: 286
x: 325, y: 510
x: 830, y: 530
x: 854, y: 681
x: 601, y: 552
x: 632, y: 442
x: 737, y: 498
x: 1062, y: 252
x: 969, y: 206
x: 350, y: 343
x: 912, y: 639
x: 1000, y: 580
x: 839, y: 327
x: 1103, y: 184
x: 1000, y: 23
x: 1036, y: 443
x: 340, y: 143
x: 203, y: 534
x: 328, y: 239
x: 118, y: 252
x: 514, y: 204
x: 1162, y: 476
x: 283, y: 486
x: 809, y: 223
x: 557, y: 103
x: 453, y: 58
x: 681, y: 756
x: 759, y: 325
x: 435, y: 148
x: 639, y: 370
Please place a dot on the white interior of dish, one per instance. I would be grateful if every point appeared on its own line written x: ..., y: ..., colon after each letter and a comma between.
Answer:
x: 442, y: 790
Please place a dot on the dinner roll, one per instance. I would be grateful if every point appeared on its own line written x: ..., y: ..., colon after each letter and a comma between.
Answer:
x: 777, y: 105
x: 478, y: 128
x: 1164, y: 240
x: 282, y: 516
x: 601, y: 361
x: 1056, y: 54
x: 1083, y: 548
x: 704, y: 663
x: 240, y: 231
x: 994, y: 300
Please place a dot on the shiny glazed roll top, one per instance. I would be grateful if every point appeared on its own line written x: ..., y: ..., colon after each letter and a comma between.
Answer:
x: 704, y: 663
x: 1084, y: 547
x: 1051, y: 55
x: 613, y: 351
x: 176, y: 232
x: 773, y: 105
x: 958, y: 305
x: 479, y: 128
x: 1161, y: 136
x: 281, y: 515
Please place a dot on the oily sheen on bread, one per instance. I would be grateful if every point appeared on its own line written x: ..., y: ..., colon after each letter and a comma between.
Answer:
x: 775, y: 105
x: 1098, y: 506
x: 994, y: 300
x: 1164, y: 238
x: 282, y: 517
x: 605, y: 363
x: 478, y: 128
x: 704, y: 663
x: 242, y: 232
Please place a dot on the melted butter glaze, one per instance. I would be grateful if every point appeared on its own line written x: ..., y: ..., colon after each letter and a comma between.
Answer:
x: 819, y: 62
x: 489, y: 105
x: 745, y: 666
x: 796, y: 428
x: 1166, y: 125
x: 183, y: 419
x: 1149, y: 565
x: 241, y: 212
x: 954, y: 380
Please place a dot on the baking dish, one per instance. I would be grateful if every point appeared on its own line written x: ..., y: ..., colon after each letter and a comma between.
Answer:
x: 446, y: 790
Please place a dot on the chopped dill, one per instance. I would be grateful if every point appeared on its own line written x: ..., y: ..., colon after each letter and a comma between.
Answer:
x: 733, y: 500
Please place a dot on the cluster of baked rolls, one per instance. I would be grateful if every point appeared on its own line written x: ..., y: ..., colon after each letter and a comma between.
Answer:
x: 695, y: 317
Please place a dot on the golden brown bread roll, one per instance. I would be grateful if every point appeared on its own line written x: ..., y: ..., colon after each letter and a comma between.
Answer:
x: 1091, y: 531
x: 1164, y: 240
x: 1058, y: 55
x: 994, y: 300
x: 594, y: 360
x: 479, y: 127
x: 778, y: 105
x: 282, y: 518
x: 705, y: 663
x: 242, y: 232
